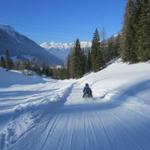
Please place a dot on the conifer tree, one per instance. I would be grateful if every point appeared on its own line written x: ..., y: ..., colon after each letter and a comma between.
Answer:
x: 96, y: 52
x: 68, y: 66
x: 89, y: 63
x: 129, y: 32
x: 76, y: 61
x: 9, y: 63
x: 3, y: 63
x: 118, y: 44
x: 111, y: 48
x: 103, y: 43
x: 63, y: 73
x: 143, y: 30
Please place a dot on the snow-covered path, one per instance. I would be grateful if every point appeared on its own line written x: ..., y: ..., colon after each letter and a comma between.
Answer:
x: 46, y: 114
x: 91, y: 125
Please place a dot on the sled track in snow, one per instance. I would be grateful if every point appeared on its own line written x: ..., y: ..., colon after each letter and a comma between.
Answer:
x: 38, y: 120
x: 88, y: 126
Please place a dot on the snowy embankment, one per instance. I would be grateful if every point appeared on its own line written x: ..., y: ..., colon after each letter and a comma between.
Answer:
x: 119, y: 78
x: 40, y: 113
x: 24, y: 99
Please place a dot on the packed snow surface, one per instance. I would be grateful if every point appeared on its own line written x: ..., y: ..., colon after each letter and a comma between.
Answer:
x: 45, y: 114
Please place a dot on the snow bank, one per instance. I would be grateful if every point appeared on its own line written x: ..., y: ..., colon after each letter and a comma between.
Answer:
x: 27, y: 115
x: 116, y: 78
x: 24, y: 100
x: 9, y: 78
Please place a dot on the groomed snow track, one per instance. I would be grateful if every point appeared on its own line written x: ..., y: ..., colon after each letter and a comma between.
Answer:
x: 92, y: 125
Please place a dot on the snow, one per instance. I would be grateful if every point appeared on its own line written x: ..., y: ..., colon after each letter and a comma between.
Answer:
x: 41, y: 113
x: 63, y: 46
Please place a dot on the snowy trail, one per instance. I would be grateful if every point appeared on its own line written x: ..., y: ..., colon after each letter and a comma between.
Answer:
x: 86, y: 125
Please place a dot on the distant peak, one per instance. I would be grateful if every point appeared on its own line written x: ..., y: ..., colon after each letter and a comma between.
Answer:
x: 62, y: 45
x: 59, y: 45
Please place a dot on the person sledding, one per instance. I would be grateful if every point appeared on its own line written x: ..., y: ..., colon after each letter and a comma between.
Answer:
x: 87, y: 92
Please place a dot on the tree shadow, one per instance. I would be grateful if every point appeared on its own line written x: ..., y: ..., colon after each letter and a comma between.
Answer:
x: 18, y: 93
x: 7, y: 94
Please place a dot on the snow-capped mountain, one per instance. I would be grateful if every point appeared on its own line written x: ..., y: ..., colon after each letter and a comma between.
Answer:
x: 61, y: 45
x: 56, y: 45
x: 21, y: 46
x: 62, y: 50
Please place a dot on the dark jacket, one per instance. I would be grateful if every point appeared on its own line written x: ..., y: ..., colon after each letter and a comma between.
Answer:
x: 87, y: 90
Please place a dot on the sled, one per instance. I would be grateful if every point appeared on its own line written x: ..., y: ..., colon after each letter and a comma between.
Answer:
x: 87, y: 96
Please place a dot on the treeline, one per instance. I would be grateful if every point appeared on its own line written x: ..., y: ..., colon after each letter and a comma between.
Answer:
x: 132, y: 44
x: 94, y: 59
x: 6, y: 61
x: 31, y: 65
x: 80, y: 61
x: 136, y: 31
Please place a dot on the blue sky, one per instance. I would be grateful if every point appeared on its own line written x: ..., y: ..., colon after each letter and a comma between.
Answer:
x: 62, y: 20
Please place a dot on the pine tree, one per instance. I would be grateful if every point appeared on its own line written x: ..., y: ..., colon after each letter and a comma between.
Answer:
x: 103, y: 43
x: 96, y: 52
x: 20, y: 65
x: 129, y: 32
x: 143, y: 30
x: 89, y: 63
x: 76, y: 61
x: 9, y: 62
x: 118, y: 44
x: 3, y: 63
x: 111, y: 48
x: 63, y: 73
x: 68, y: 66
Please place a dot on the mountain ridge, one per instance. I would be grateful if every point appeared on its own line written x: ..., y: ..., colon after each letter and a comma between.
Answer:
x: 21, y: 46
